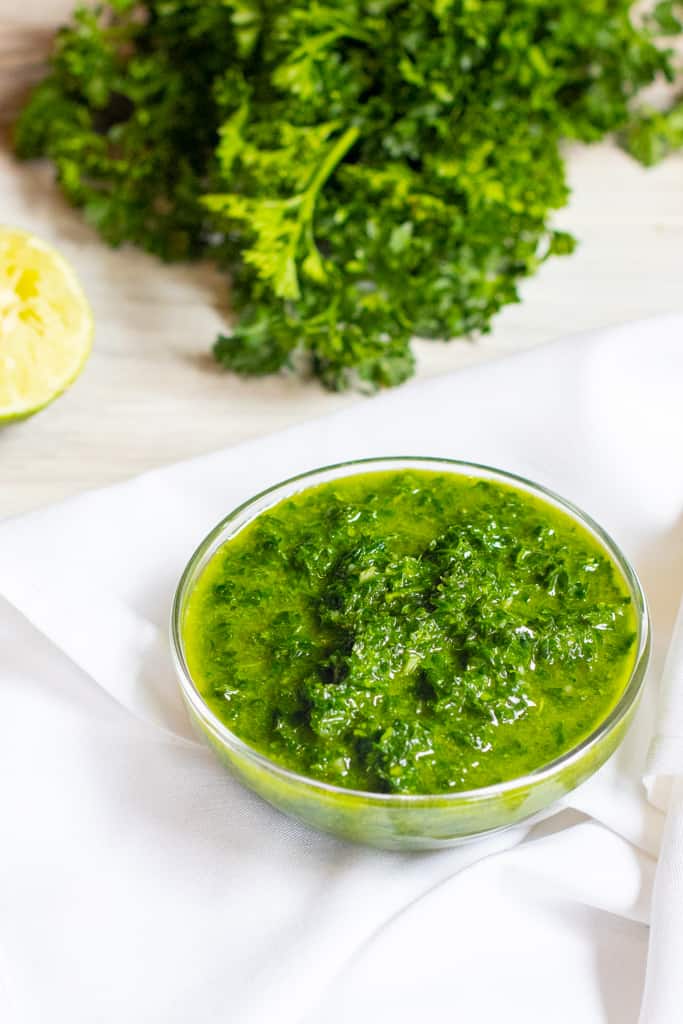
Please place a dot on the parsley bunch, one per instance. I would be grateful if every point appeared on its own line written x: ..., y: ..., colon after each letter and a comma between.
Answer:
x: 366, y: 170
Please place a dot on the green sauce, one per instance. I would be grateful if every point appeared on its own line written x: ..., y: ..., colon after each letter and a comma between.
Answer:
x: 411, y: 632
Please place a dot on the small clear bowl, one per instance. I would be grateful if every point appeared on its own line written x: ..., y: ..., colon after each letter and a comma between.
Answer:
x: 391, y: 820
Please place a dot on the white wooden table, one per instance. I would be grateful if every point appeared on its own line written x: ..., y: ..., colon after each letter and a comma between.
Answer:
x: 151, y: 393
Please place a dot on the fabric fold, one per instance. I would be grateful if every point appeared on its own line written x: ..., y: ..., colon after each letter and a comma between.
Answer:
x: 663, y: 996
x: 120, y: 650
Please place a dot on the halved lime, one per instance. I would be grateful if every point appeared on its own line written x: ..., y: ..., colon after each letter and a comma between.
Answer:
x: 46, y: 325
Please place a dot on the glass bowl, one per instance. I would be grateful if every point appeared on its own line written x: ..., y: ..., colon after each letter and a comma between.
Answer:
x: 390, y: 820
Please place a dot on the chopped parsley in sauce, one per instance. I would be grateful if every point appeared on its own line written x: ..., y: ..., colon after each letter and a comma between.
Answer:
x: 410, y: 631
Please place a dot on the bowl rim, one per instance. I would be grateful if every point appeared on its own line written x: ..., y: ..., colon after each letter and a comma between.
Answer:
x: 280, y: 491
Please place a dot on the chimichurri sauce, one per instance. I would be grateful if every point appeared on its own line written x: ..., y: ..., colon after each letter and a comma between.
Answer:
x: 411, y: 632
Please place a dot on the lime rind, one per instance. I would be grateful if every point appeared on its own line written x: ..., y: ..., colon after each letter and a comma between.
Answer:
x: 46, y: 325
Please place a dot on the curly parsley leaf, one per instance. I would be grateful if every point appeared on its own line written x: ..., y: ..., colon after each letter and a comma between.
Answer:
x: 652, y: 135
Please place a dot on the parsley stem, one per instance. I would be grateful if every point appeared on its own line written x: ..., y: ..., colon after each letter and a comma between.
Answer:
x: 334, y: 156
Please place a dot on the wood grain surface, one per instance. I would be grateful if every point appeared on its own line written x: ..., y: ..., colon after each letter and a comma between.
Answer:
x: 151, y: 394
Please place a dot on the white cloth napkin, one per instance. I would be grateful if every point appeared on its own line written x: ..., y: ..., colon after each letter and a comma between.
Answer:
x: 139, y: 882
x: 663, y: 996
